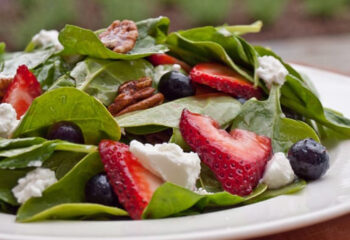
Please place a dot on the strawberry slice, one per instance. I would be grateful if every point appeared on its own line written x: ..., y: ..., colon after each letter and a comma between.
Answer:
x: 22, y: 91
x: 237, y: 159
x: 163, y: 58
x: 224, y: 79
x: 133, y: 184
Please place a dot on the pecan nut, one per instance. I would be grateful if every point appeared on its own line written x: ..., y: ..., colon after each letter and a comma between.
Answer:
x: 135, y: 95
x: 120, y: 36
x: 4, y: 83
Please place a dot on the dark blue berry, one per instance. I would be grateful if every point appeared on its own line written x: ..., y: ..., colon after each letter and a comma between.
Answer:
x: 241, y: 100
x: 67, y: 131
x: 309, y: 159
x: 99, y: 190
x: 175, y: 85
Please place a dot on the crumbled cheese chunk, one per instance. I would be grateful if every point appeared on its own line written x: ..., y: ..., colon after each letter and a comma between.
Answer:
x: 33, y: 184
x: 45, y: 38
x: 278, y: 172
x: 169, y: 162
x: 176, y: 67
x: 35, y: 164
x: 271, y: 70
x: 8, y: 120
x: 202, y: 191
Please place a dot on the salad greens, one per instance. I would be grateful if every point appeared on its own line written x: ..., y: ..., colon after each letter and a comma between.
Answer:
x: 102, y: 78
x: 220, y: 107
x: 152, y: 32
x: 80, y: 81
x: 69, y: 189
x: 69, y: 104
x: 266, y: 118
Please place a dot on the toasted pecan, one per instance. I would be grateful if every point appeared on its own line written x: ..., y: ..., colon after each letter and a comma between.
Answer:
x: 152, y: 101
x: 120, y: 36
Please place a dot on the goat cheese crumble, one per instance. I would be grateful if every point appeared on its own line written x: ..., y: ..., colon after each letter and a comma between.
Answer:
x: 169, y: 162
x: 278, y: 172
x: 45, y: 38
x: 8, y: 120
x: 271, y: 70
x: 33, y: 184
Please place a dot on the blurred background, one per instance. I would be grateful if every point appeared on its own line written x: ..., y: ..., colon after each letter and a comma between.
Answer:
x: 316, y: 32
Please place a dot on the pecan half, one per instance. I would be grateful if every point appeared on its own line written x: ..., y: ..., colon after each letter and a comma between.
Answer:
x: 4, y: 83
x: 135, y: 95
x: 120, y: 36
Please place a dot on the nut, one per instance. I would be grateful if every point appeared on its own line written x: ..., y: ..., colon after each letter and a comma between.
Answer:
x: 4, y: 83
x: 120, y: 36
x: 135, y: 95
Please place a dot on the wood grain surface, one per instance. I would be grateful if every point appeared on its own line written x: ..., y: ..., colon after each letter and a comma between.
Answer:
x: 336, y: 229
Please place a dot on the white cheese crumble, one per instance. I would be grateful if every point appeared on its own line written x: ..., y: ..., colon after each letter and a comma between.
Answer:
x: 271, y: 70
x: 202, y: 191
x: 8, y: 120
x: 33, y: 184
x: 278, y: 172
x: 176, y: 67
x: 44, y: 38
x: 169, y: 162
x: 35, y: 164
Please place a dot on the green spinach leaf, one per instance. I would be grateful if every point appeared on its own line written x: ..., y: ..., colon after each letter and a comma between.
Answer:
x: 32, y: 60
x: 152, y: 33
x: 220, y: 107
x: 265, y: 118
x: 102, y: 78
x: 69, y: 104
x: 70, y: 189
x: 8, y: 180
x: 35, y: 155
x: 207, y: 44
x: 78, y: 211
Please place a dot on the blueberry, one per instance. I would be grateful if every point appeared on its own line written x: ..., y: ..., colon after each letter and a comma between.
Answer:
x: 99, y: 190
x: 175, y: 85
x: 309, y: 159
x: 241, y: 100
x: 67, y: 131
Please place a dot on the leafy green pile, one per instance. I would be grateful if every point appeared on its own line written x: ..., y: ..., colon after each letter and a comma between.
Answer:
x: 82, y: 79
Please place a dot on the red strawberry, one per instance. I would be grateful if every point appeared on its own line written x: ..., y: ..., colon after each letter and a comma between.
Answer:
x: 22, y: 91
x: 163, y: 58
x: 224, y: 79
x: 238, y: 159
x: 133, y: 184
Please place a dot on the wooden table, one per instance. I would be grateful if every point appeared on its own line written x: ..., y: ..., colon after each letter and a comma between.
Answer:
x: 336, y: 229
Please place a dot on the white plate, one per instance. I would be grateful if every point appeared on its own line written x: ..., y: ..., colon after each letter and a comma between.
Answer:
x: 321, y: 200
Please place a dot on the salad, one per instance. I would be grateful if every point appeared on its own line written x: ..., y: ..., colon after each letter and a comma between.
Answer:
x: 134, y: 122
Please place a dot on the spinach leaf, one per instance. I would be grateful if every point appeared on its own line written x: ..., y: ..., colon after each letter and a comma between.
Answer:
x: 8, y: 180
x: 170, y: 199
x: 69, y: 104
x: 35, y: 155
x: 207, y: 44
x: 32, y: 59
x: 220, y: 107
x: 63, y: 81
x: 48, y: 72
x: 7, y: 144
x: 240, y: 29
x: 82, y: 41
x: 2, y: 47
x: 177, y: 138
x: 298, y: 94
x: 78, y: 211
x: 294, y: 187
x: 265, y: 118
x: 102, y: 78
x: 70, y: 189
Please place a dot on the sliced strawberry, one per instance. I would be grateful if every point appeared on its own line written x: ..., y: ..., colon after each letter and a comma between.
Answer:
x: 22, y: 91
x: 237, y: 159
x: 133, y: 184
x: 163, y: 58
x: 224, y: 79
